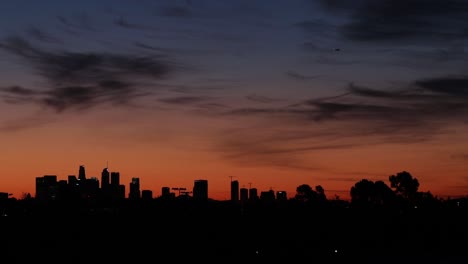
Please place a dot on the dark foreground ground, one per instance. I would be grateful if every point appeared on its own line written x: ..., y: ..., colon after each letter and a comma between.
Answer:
x: 223, y: 236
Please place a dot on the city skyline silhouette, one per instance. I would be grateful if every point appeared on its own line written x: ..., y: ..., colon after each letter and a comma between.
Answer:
x: 112, y: 180
x: 109, y: 187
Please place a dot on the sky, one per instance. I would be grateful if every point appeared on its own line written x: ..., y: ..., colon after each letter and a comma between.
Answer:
x: 274, y: 93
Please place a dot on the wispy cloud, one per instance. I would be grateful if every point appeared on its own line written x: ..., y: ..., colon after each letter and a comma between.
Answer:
x: 246, y: 150
x: 360, y: 116
x: 301, y: 77
x: 81, y: 80
x: 263, y: 99
x: 184, y: 100
x: 425, y: 100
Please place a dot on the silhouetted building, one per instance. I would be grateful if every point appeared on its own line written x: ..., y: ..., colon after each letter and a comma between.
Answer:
x: 253, y: 194
x: 200, y: 190
x: 105, y: 184
x: 63, y: 191
x: 180, y: 190
x: 281, y: 196
x: 72, y: 180
x: 117, y: 190
x: 73, y: 187
x: 105, y: 178
x: 3, y: 196
x: 82, y: 173
x: 165, y: 191
x: 46, y: 188
x: 92, y: 188
x: 134, y: 189
x: 244, y: 194
x: 115, y: 178
x: 267, y: 195
x: 146, y: 195
x: 234, y: 190
x: 120, y: 192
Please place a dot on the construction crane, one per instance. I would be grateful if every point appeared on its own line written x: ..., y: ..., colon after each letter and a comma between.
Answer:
x: 186, y: 193
x: 179, y: 189
x: 231, y: 177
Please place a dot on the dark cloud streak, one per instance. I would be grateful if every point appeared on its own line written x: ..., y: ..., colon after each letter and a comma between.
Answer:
x: 81, y: 80
x: 411, y: 21
x: 184, y: 100
x: 360, y: 116
x: 301, y: 77
x: 262, y: 99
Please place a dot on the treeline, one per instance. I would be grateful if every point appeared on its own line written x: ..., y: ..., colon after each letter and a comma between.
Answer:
x: 402, y: 192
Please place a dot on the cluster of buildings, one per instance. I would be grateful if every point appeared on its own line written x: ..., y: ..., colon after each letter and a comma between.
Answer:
x: 48, y: 187
x: 109, y: 187
x: 244, y: 194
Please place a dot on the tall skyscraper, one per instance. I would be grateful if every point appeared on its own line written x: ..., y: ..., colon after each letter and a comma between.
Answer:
x: 91, y: 188
x: 134, y: 189
x: 235, y: 190
x: 106, y: 191
x: 82, y: 173
x: 115, y: 179
x: 117, y: 190
x: 244, y: 194
x: 200, y: 190
x: 105, y: 179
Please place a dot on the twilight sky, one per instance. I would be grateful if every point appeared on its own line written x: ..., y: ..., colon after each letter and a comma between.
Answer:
x: 275, y: 93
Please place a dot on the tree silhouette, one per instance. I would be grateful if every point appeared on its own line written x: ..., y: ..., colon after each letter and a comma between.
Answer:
x: 383, y: 194
x: 367, y: 192
x: 305, y: 193
x: 321, y: 193
x: 404, y: 184
x: 362, y: 192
